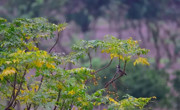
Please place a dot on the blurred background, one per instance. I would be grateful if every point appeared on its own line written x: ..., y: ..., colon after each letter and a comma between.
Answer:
x: 156, y: 23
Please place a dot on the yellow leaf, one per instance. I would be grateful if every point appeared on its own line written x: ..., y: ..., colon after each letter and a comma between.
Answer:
x: 84, y: 103
x: 99, y: 103
x: 79, y: 99
x: 107, y: 51
x: 112, y: 100
x: 50, y: 65
x: 145, y: 62
x: 38, y: 63
x: 102, y: 51
x: 36, y: 87
x: 121, y: 57
x: 27, y: 37
x: 61, y: 29
x: 112, y: 56
x: 135, y: 62
x: 142, y: 61
x: 22, y: 91
x: 129, y: 40
x: 53, y: 66
x: 94, y: 103
x: 154, y: 97
x: 59, y: 86
x: 16, y: 91
x: 20, y: 51
x: 8, y: 71
x: 14, y: 61
x: 1, y: 77
x: 71, y: 92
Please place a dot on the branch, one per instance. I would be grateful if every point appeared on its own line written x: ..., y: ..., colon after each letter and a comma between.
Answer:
x: 40, y: 83
x: 90, y: 60
x: 37, y: 45
x: 124, y: 69
x: 103, y: 67
x: 111, y: 81
x: 29, y: 106
x: 55, y: 43
x: 8, y: 81
x: 117, y: 71
x: 121, y: 73
x: 59, y: 95
x: 63, y: 105
x: 49, y: 52
x: 15, y: 95
x: 14, y: 87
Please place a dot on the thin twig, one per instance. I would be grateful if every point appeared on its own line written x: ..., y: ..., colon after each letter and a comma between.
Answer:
x: 124, y: 69
x: 42, y: 78
x: 40, y: 83
x: 28, y: 106
x: 117, y: 71
x: 121, y: 73
x: 14, y: 104
x: 14, y: 87
x: 90, y: 60
x: 36, y: 43
x: 55, y: 42
x: 59, y: 95
x: 8, y: 81
x: 15, y: 95
x: 13, y: 92
x: 20, y: 86
x: 63, y: 104
x: 103, y: 67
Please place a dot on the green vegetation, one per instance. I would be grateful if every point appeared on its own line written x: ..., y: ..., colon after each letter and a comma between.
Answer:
x: 40, y: 79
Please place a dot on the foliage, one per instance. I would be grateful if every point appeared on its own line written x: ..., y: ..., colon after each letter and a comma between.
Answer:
x: 36, y: 78
x: 124, y: 50
x: 130, y: 103
x: 154, y: 82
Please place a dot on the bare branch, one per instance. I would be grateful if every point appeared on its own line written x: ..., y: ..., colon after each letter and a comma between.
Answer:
x: 14, y: 87
x: 17, y: 93
x: 55, y: 42
x: 49, y: 52
x: 40, y: 83
x: 59, y: 95
x: 90, y: 60
x: 8, y: 81
x: 111, y: 81
x: 124, y: 69
x: 103, y: 67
